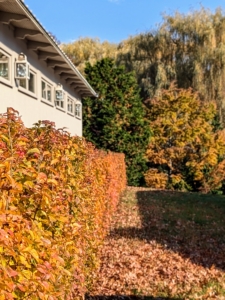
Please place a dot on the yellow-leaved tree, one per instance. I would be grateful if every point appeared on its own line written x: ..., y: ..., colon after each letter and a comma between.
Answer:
x: 187, y: 150
x: 87, y: 49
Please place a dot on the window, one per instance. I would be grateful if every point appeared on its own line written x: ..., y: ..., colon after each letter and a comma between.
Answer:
x: 46, y: 91
x: 31, y: 83
x: 28, y: 84
x: 4, y: 65
x: 78, y: 110
x: 70, y: 106
x: 59, y: 102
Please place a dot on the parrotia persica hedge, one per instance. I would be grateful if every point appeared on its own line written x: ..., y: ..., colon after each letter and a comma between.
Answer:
x: 57, y: 194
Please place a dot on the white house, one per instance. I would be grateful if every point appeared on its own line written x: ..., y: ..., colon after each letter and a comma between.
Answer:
x: 36, y: 76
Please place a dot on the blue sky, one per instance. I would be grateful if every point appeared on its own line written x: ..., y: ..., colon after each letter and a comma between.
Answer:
x: 112, y: 20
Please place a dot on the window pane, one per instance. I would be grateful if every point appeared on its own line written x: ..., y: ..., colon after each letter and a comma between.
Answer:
x: 59, y: 101
x: 70, y: 105
x: 23, y: 83
x: 4, y: 66
x: 31, y: 83
x: 43, y: 91
x: 78, y: 110
x: 49, y: 93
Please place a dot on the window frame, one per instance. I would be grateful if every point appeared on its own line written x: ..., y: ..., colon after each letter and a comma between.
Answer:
x: 72, y: 113
x: 78, y: 116
x: 48, y: 84
x: 62, y: 108
x: 10, y: 72
x: 26, y: 89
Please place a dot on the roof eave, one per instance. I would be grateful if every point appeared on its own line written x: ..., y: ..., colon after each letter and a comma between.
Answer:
x: 90, y: 91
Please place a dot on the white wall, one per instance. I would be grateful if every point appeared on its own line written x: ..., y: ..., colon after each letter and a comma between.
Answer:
x: 31, y: 106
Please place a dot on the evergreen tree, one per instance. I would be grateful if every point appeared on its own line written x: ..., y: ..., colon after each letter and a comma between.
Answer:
x: 116, y: 119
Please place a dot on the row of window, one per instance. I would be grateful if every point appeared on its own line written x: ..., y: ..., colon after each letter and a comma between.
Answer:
x: 48, y: 93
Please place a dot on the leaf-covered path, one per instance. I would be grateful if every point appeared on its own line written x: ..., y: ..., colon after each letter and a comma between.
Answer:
x: 164, y: 245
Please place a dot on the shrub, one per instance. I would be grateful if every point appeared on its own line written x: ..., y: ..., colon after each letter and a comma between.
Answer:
x: 156, y: 179
x: 57, y: 196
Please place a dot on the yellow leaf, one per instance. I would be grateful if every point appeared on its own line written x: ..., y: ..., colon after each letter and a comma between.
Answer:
x: 27, y: 274
x: 29, y: 184
x: 24, y: 261
x: 54, y: 161
x: 67, y: 272
x: 27, y: 249
x: 46, y: 153
x: 34, y: 150
x: 3, y: 262
x: 4, y: 138
x: 52, y: 181
x: 34, y: 253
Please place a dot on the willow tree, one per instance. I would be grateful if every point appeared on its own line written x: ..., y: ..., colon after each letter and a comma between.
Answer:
x: 87, y: 49
x: 200, y: 53
x: 150, y: 55
x: 186, y: 48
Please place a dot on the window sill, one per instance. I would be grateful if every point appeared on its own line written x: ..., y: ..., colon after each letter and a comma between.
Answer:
x: 70, y: 114
x: 6, y: 82
x: 60, y: 108
x: 79, y: 118
x: 47, y: 102
x: 26, y: 92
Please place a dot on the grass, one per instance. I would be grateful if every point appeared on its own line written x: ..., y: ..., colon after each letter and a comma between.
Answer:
x: 188, y: 221
x: 165, y: 245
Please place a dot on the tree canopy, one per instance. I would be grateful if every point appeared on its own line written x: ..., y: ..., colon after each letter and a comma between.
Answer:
x: 87, y: 49
x: 116, y: 119
x: 188, y: 48
x: 186, y: 151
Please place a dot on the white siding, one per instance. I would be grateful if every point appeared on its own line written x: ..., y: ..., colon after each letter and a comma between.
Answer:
x: 31, y: 105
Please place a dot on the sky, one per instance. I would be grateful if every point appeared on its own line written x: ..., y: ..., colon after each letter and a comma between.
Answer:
x: 111, y: 20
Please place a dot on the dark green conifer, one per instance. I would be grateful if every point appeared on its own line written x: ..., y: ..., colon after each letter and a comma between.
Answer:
x: 116, y: 120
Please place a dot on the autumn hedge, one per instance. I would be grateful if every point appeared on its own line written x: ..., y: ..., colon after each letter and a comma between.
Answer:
x: 57, y: 195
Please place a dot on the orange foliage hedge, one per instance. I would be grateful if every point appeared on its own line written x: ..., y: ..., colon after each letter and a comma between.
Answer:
x: 57, y: 194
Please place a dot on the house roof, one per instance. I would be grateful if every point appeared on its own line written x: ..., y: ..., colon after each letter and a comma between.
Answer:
x: 27, y: 27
